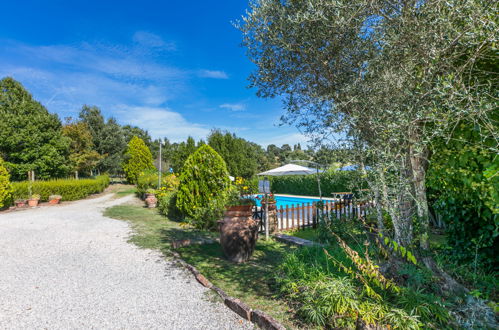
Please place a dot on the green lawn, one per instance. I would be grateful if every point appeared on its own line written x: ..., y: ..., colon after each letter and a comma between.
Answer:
x: 309, y: 233
x: 252, y: 282
x: 121, y: 190
x: 152, y: 230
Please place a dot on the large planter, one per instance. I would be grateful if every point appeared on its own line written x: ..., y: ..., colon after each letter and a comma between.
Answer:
x: 151, y: 200
x: 238, y: 233
x: 32, y: 202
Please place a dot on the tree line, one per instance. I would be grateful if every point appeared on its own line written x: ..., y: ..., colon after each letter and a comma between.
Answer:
x: 33, y: 139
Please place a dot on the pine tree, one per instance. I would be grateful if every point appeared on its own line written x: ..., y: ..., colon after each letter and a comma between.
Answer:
x: 204, y: 187
x: 138, y: 159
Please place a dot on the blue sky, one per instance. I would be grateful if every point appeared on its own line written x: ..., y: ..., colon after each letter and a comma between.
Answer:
x: 175, y: 68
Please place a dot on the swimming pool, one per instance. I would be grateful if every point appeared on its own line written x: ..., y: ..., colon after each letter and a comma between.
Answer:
x: 290, y: 200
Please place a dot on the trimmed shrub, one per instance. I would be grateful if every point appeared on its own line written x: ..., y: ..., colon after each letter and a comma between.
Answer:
x: 5, y: 186
x: 204, y: 188
x: 306, y: 185
x: 138, y: 159
x: 69, y: 189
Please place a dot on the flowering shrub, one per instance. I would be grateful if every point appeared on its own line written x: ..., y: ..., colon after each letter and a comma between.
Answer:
x: 149, y: 180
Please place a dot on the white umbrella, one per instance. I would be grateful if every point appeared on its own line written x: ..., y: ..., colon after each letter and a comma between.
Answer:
x: 291, y: 169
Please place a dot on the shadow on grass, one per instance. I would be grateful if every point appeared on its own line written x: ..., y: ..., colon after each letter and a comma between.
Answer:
x: 257, y: 276
x: 168, y: 235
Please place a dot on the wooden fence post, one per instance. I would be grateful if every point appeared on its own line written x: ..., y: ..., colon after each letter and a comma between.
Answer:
x: 314, y: 214
x: 304, y: 214
x: 287, y: 217
x: 281, y: 223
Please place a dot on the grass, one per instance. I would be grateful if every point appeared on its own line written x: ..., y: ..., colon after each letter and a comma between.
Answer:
x: 309, y: 233
x: 152, y: 230
x: 252, y: 282
x: 121, y: 190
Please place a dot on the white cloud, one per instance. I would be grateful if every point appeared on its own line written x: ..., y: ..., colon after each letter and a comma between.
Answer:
x: 213, y: 74
x: 65, y: 77
x: 104, y: 59
x: 161, y: 122
x: 233, y: 106
x: 152, y: 40
x: 279, y: 140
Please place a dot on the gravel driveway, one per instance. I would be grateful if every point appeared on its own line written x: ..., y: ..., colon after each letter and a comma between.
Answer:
x: 69, y: 267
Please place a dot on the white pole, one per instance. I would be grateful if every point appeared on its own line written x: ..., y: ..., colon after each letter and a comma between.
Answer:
x: 160, y: 161
x: 266, y: 186
x: 266, y: 217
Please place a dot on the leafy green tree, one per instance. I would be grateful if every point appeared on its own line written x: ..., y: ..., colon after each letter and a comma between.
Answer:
x: 5, y: 186
x: 83, y: 157
x: 390, y: 76
x: 30, y: 136
x: 242, y: 157
x: 92, y: 117
x: 463, y: 184
x: 204, y: 187
x: 180, y: 152
x: 108, y: 138
x: 131, y: 131
x: 113, y: 145
x: 138, y: 159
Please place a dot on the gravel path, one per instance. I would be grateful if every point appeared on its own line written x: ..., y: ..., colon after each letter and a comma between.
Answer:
x: 69, y: 267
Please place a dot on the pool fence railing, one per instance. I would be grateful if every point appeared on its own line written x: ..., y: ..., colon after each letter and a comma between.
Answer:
x: 305, y: 215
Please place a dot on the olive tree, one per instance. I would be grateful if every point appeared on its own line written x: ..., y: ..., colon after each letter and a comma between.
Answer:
x: 391, y: 76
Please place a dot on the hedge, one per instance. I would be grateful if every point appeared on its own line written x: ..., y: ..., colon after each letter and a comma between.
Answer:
x: 306, y: 185
x: 69, y: 189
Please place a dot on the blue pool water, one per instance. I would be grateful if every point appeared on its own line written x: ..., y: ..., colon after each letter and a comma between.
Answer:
x: 289, y: 200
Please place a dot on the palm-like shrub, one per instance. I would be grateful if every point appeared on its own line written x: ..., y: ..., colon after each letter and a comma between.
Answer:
x: 5, y: 186
x: 204, y: 187
x: 138, y: 159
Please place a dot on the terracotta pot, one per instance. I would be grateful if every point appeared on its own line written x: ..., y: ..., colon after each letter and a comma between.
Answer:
x: 238, y: 233
x: 239, y: 210
x: 272, y: 205
x: 151, y: 200
x: 33, y: 202
x: 54, y: 201
x: 21, y: 204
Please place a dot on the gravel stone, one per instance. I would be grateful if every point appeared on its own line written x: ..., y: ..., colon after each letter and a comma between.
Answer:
x: 69, y: 267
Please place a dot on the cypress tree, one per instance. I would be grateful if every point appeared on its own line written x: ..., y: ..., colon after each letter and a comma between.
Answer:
x: 138, y: 159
